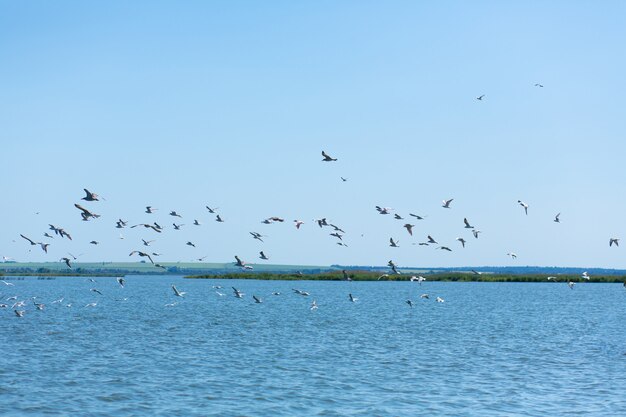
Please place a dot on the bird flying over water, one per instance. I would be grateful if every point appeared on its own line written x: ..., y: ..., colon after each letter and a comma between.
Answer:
x: 67, y: 262
x: 178, y: 293
x: 121, y: 281
x: 392, y: 243
x: 263, y: 256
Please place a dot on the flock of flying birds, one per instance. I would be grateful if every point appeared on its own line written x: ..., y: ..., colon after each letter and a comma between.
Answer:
x: 88, y: 214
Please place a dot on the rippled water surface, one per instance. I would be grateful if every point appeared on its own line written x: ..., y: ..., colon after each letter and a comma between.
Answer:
x: 489, y: 349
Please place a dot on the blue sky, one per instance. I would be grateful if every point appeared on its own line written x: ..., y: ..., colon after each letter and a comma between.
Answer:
x: 180, y: 105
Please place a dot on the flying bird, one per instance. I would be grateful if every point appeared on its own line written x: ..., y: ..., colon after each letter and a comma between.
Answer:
x: 446, y: 203
x: 211, y: 210
x: 409, y: 228
x: 327, y: 158
x: 176, y: 292
x: 392, y: 243
x: 298, y: 223
x: 256, y: 236
x: 431, y: 240
x: 173, y: 213
x: 460, y: 239
x: 33, y: 243
x: 147, y: 226
x: 142, y: 254
x: 512, y: 255
x: 67, y: 262
x: 263, y: 256
x: 218, y: 219
x: 480, y: 98
x: 121, y: 281
x: 190, y: 244
x: 86, y: 214
x: 150, y: 209
x: 556, y: 218
x: 417, y: 216
x: 257, y: 299
x: 613, y: 240
x: 521, y: 203
x: 239, y: 262
x: 467, y: 225
x: 90, y: 196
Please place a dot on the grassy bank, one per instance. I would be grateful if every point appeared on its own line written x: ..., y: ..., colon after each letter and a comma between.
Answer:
x: 372, y: 276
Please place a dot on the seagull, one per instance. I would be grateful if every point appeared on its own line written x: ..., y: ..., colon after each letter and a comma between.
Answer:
x: 460, y: 239
x: 393, y: 267
x: 585, y: 275
x: 446, y: 203
x: 60, y: 300
x: 30, y: 240
x: 121, y: 281
x: 150, y: 209
x: 256, y: 236
x: 392, y: 243
x: 86, y: 214
x: 383, y: 276
x: 67, y: 262
x: 275, y: 293
x: 383, y: 210
x: 94, y: 242
x: 556, y: 218
x: 19, y: 313
x: 263, y: 256
x: 467, y: 225
x: 96, y: 291
x: 571, y: 284
x: 431, y: 240
x: 337, y: 229
x: 211, y: 210
x: 409, y: 228
x: 337, y: 235
x: 475, y: 232
x: 218, y: 219
x: 173, y: 213
x: 238, y: 294
x: 176, y: 292
x: 147, y: 226
x: 298, y: 223
x: 239, y: 262
x: 257, y: 299
x: 352, y: 298
x: 303, y: 293
x: 613, y: 240
x: 419, y: 279
x: 480, y: 97
x: 190, y: 244
x: 91, y: 305
x: 398, y: 217
x: 8, y: 284
x: 327, y: 158
x: 196, y: 222
x: 343, y: 179
x: 539, y: 85
x: 44, y: 246
x: 219, y: 293
x: 439, y: 300
x: 552, y: 279
x: 476, y: 272
x: 142, y: 254
x: 426, y: 296
x: 48, y: 236
x: 410, y: 303
x: 146, y: 242
x: 417, y: 216
x: 177, y: 226
x: 313, y: 305
x: 512, y: 255
x: 321, y: 222
x: 445, y: 248
x: 521, y: 203
x: 90, y: 196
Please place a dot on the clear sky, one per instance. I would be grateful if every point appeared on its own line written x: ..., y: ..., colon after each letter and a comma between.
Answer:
x: 179, y: 105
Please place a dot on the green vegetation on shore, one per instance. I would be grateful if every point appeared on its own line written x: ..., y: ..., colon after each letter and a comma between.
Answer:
x: 375, y: 276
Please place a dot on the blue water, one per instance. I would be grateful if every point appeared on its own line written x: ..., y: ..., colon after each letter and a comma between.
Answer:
x: 491, y: 349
